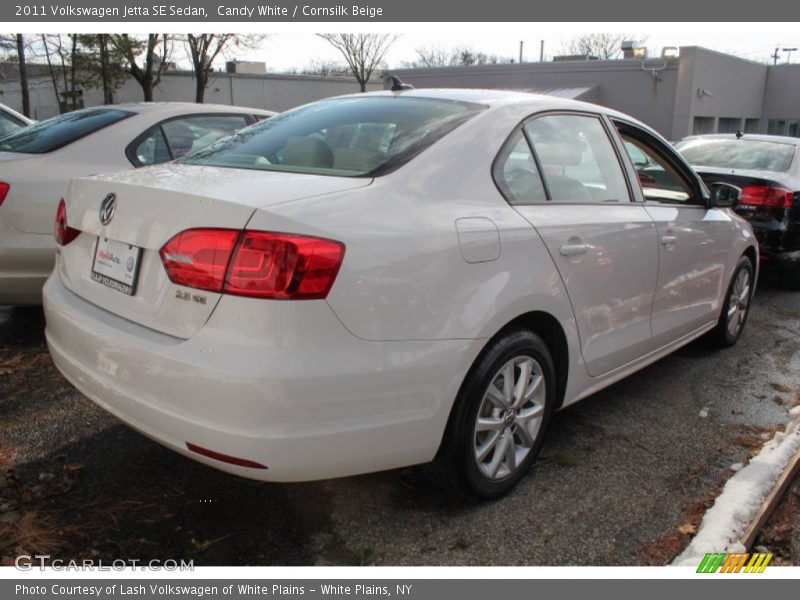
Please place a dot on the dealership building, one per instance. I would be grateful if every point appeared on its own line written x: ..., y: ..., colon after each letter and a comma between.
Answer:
x: 697, y: 91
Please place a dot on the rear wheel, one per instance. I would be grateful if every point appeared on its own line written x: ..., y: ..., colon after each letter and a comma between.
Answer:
x: 500, y: 417
x: 736, y: 307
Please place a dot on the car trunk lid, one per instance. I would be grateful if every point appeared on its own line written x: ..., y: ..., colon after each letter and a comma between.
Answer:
x: 152, y: 206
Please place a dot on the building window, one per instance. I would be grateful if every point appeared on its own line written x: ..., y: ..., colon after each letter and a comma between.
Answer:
x: 751, y: 126
x: 793, y: 129
x: 729, y: 125
x: 776, y: 127
x: 703, y: 125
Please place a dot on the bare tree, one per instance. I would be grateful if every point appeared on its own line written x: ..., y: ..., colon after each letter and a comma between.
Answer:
x: 23, y: 76
x: 604, y: 46
x: 437, y: 56
x: 55, y: 52
x: 362, y: 51
x: 156, y: 50
x: 325, y: 68
x: 204, y: 48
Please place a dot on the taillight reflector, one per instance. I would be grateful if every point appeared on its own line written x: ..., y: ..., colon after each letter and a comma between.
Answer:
x: 767, y: 196
x: 63, y: 233
x: 258, y: 264
x: 4, y: 187
x: 233, y: 460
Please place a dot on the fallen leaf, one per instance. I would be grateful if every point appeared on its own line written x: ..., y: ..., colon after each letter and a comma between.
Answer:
x: 687, y: 529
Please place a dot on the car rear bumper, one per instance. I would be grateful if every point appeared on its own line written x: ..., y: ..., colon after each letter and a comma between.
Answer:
x: 299, y: 395
x: 26, y: 259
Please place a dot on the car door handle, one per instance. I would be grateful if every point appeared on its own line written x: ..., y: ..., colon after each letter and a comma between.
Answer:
x: 668, y: 240
x: 573, y: 249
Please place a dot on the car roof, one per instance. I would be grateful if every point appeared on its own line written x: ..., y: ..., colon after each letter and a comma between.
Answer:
x: 168, y: 108
x: 526, y: 102
x: 757, y: 137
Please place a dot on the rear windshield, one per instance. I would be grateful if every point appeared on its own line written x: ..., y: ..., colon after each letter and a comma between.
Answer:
x: 351, y: 137
x: 744, y: 154
x: 59, y: 131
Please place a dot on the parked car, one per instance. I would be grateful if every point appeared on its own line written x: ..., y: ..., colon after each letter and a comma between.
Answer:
x: 388, y: 279
x: 11, y: 120
x: 767, y: 169
x: 37, y: 162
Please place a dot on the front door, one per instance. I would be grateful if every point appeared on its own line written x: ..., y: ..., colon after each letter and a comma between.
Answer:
x: 694, y: 239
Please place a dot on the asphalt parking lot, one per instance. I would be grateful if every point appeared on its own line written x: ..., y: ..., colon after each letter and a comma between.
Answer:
x: 623, y: 478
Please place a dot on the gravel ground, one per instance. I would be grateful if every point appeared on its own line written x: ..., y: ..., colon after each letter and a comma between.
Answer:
x: 623, y: 478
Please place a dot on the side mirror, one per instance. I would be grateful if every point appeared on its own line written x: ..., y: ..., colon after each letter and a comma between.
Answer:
x: 724, y: 195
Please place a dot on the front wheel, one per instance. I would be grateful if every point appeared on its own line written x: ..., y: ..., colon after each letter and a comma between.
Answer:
x: 500, y: 417
x: 736, y: 307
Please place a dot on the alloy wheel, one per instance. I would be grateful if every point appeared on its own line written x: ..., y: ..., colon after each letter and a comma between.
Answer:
x: 509, y: 417
x: 738, y: 302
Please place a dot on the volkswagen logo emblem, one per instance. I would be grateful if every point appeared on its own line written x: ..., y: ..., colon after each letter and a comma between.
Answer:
x: 107, y: 208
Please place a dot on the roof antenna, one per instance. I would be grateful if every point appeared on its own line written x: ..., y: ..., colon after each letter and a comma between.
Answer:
x: 739, y: 134
x: 398, y: 85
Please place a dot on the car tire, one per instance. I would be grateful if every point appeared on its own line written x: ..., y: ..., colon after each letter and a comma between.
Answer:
x: 790, y: 279
x: 498, y: 423
x: 736, y: 306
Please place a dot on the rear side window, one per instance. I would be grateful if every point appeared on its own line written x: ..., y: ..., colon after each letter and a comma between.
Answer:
x: 516, y: 173
x: 9, y: 123
x: 55, y: 133
x: 577, y: 158
x: 351, y: 137
x: 152, y: 149
x: 745, y: 154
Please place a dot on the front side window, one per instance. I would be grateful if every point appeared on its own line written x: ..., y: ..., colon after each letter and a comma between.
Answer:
x: 659, y: 180
x: 52, y: 134
x: 577, y: 158
x: 731, y: 153
x: 352, y: 137
x: 189, y: 134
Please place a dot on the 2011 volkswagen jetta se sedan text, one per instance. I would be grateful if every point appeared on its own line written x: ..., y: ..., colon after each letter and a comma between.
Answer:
x: 389, y: 279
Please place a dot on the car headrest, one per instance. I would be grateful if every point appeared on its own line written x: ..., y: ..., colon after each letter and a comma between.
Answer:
x: 307, y: 152
x: 560, y: 153
x: 355, y: 159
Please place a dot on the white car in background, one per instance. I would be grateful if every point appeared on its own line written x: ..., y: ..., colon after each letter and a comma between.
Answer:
x: 37, y: 163
x: 387, y: 279
x: 11, y: 120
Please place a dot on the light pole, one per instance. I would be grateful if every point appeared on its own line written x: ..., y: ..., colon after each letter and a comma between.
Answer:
x: 789, y: 53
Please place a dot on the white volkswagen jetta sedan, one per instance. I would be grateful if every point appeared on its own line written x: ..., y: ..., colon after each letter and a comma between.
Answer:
x: 37, y: 163
x: 388, y: 279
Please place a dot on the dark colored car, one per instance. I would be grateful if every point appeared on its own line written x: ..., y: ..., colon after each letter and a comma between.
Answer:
x: 767, y: 169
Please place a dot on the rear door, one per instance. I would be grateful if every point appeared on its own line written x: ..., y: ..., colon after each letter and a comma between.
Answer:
x: 571, y: 188
x: 694, y: 239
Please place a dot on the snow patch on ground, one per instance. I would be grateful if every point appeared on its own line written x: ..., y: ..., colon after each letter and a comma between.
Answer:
x: 736, y: 507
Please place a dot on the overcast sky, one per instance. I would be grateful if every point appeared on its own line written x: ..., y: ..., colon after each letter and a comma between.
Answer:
x: 286, y: 50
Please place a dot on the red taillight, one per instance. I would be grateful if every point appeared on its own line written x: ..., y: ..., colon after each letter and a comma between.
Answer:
x: 199, y: 258
x: 4, y: 187
x: 766, y: 196
x: 259, y: 264
x: 63, y: 233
